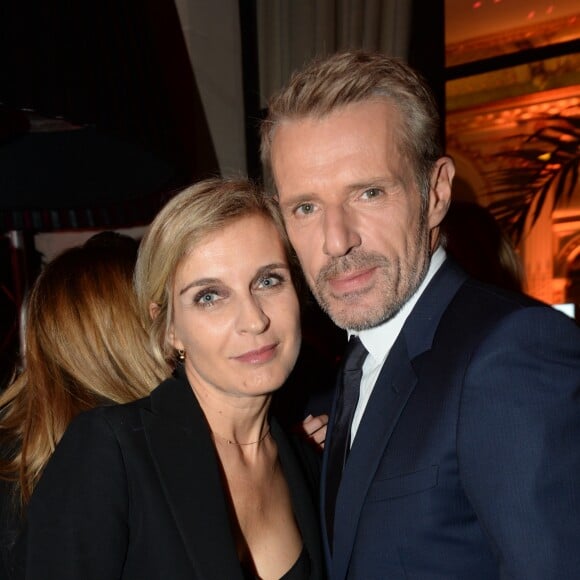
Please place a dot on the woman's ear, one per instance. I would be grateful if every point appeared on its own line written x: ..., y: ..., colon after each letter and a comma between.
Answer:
x: 172, y: 339
x: 440, y: 190
x: 154, y: 309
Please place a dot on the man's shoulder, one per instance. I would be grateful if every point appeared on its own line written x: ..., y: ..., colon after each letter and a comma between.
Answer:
x: 486, y: 300
x: 478, y: 309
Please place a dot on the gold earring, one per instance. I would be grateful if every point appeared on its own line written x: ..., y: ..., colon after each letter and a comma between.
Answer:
x: 181, y: 354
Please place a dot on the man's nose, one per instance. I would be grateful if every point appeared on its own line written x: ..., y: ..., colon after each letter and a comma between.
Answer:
x: 340, y: 232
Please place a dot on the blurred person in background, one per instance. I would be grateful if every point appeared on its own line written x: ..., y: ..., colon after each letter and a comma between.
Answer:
x: 83, y: 345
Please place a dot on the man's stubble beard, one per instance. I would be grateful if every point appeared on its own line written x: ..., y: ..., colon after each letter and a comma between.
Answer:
x: 393, y: 286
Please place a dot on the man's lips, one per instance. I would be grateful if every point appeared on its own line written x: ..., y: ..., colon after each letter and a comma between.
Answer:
x: 351, y: 281
x: 260, y: 355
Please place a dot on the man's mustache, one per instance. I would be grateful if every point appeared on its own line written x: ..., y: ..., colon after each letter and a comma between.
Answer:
x: 352, y: 262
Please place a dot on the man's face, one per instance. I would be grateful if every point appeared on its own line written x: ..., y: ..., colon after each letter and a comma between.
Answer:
x: 353, y: 210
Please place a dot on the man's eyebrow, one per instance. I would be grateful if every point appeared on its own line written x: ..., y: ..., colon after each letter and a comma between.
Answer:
x: 367, y: 182
x: 298, y: 198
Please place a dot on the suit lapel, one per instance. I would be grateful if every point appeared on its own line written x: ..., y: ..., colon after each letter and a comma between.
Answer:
x: 392, y: 390
x: 189, y: 472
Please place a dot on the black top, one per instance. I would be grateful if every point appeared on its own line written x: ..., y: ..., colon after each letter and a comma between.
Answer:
x: 300, y: 570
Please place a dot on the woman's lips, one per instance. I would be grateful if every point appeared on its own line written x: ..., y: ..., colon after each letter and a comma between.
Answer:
x: 260, y: 355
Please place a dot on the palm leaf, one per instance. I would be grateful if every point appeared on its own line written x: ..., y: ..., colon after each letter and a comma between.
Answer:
x: 546, y: 160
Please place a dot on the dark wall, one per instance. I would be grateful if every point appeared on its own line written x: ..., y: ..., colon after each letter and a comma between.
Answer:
x: 121, y: 66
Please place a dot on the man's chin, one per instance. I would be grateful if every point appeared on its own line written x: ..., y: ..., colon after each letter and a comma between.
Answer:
x: 352, y: 315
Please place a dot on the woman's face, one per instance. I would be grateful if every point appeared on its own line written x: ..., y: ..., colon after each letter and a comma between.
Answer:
x: 236, y: 313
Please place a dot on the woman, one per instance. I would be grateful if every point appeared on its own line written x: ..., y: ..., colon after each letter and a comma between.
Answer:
x: 84, y: 345
x: 196, y: 480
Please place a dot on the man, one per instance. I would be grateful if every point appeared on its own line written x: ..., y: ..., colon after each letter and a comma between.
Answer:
x: 463, y: 451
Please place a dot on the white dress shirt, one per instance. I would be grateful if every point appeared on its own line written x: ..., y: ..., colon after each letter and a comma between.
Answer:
x: 380, y: 339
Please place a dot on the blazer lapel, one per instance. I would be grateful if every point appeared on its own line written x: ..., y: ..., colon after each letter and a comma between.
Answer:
x: 327, y: 443
x: 188, y: 469
x: 301, y: 494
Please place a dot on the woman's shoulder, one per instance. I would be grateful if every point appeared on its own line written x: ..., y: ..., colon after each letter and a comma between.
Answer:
x: 124, y: 417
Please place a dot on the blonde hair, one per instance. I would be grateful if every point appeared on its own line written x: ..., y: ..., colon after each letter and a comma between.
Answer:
x: 84, y: 345
x: 348, y: 77
x: 190, y: 216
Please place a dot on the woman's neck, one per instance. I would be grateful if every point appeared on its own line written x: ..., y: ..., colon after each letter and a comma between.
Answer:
x: 234, y: 420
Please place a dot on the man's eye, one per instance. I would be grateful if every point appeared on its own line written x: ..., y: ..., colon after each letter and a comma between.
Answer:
x: 305, y: 208
x: 372, y: 192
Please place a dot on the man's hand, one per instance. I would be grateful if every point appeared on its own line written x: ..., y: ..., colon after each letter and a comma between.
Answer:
x: 314, y: 428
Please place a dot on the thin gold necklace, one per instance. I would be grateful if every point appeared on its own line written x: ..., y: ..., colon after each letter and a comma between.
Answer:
x: 230, y: 442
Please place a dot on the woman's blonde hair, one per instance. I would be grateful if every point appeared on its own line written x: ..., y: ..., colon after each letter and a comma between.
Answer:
x: 84, y: 345
x: 190, y: 216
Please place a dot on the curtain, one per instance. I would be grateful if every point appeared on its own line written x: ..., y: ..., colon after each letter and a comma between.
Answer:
x: 291, y: 32
x: 212, y: 34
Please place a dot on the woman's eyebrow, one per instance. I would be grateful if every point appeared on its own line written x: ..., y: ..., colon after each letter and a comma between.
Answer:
x: 199, y: 282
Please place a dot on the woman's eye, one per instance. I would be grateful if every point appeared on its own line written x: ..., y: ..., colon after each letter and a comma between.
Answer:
x: 206, y: 298
x: 270, y: 281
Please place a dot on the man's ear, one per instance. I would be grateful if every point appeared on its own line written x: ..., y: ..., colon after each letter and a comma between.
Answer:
x: 440, y: 190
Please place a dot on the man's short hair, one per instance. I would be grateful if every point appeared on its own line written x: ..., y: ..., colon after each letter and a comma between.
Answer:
x: 332, y: 82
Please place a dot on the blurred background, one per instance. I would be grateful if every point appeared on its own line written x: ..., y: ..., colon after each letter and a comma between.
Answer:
x: 106, y: 108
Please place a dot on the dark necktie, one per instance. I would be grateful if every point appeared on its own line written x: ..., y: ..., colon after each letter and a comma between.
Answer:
x: 340, y: 439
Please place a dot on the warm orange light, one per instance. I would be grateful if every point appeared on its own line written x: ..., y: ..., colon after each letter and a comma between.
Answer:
x: 545, y: 156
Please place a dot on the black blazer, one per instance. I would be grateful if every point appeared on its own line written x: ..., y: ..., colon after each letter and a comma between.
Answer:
x: 9, y: 526
x: 134, y: 491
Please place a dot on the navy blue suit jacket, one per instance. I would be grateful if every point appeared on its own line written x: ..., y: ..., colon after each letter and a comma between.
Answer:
x: 466, y: 464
